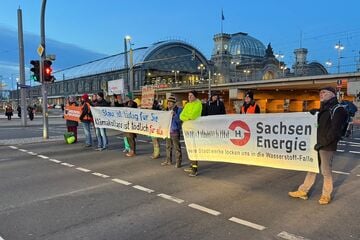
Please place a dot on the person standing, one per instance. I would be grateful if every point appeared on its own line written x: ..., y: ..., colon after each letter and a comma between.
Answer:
x: 249, y: 106
x: 192, y: 111
x: 155, y: 140
x: 102, y: 139
x: 9, y: 111
x: 86, y: 119
x: 214, y: 106
x: 174, y: 140
x: 131, y: 136
x: 72, y: 125
x: 330, y: 120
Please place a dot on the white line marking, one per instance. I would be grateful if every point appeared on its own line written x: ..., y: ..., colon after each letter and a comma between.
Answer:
x: 353, y: 145
x: 100, y: 175
x: 342, y: 144
x: 145, y: 141
x: 358, y: 175
x: 54, y: 160
x: 171, y: 198
x: 339, y: 172
x: 121, y: 181
x: 338, y: 150
x: 32, y: 153
x: 13, y: 147
x: 42, y: 156
x: 204, y: 209
x: 141, y: 188
x: 83, y: 169
x: 290, y: 236
x: 354, y: 152
x: 67, y: 164
x: 23, y: 150
x: 247, y: 223
x: 1, y: 238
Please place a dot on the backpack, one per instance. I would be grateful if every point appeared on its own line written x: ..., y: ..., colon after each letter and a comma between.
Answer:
x: 350, y: 107
x: 345, y: 131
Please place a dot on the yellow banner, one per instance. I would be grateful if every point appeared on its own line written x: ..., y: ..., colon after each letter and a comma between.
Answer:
x: 280, y: 140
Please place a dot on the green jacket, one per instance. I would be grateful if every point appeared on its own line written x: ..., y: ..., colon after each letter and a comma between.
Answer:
x: 191, y: 111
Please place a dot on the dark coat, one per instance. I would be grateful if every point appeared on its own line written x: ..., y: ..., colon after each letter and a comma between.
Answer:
x: 330, y: 129
x: 213, y: 108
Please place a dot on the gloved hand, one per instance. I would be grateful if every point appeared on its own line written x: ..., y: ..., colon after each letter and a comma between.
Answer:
x: 313, y: 111
x: 317, y: 147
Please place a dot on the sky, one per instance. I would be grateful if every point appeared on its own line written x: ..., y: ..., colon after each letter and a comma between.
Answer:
x: 99, y: 27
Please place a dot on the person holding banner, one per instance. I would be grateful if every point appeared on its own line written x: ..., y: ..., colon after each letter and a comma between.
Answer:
x: 249, y: 106
x: 102, y: 139
x: 131, y: 136
x: 174, y: 140
x: 329, y: 132
x: 155, y: 140
x: 86, y: 119
x: 214, y: 106
x: 192, y: 111
x: 70, y: 124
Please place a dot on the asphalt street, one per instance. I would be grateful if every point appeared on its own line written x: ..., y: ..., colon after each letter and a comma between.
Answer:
x: 51, y: 190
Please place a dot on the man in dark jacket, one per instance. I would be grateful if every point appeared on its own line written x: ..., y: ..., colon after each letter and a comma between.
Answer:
x: 330, y: 120
x: 102, y: 139
x: 214, y: 106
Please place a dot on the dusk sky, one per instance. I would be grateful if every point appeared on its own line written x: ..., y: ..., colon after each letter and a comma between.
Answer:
x: 100, y: 26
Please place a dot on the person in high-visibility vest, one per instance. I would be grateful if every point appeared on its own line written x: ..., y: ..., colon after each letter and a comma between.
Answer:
x: 249, y: 106
x: 192, y: 111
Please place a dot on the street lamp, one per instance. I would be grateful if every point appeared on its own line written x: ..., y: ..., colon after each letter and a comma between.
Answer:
x: 129, y: 67
x: 236, y: 64
x: 175, y: 73
x: 339, y: 47
x: 246, y: 71
x: 201, y: 67
x: 283, y: 67
x: 328, y: 64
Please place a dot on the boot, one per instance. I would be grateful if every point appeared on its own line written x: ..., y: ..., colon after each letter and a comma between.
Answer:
x: 324, y: 200
x: 156, y: 153
x: 299, y: 194
x: 131, y: 153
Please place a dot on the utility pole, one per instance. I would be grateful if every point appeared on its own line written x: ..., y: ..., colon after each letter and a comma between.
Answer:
x: 21, y: 69
x: 209, y: 90
x: 42, y: 79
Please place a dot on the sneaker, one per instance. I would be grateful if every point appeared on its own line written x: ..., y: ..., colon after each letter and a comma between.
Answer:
x: 165, y: 164
x: 299, y: 194
x: 88, y: 145
x: 155, y: 157
x: 130, y: 154
x: 324, y: 200
x: 178, y: 165
x: 193, y: 174
x: 98, y: 149
x: 188, y: 170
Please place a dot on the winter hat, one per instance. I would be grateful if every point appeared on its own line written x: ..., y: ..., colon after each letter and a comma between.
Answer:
x: 330, y: 89
x: 85, y: 97
x: 100, y: 94
x: 171, y: 99
x: 195, y: 93
x: 249, y: 94
x: 72, y: 99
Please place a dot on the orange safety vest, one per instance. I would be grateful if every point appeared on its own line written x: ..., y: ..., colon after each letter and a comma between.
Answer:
x: 250, y: 109
x: 88, y: 115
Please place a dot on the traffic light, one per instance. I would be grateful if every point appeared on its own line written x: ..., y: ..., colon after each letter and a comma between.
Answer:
x: 36, y: 70
x: 48, y: 77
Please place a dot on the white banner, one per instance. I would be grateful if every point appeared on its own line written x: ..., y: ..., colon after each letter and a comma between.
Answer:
x: 116, y: 87
x: 279, y: 140
x: 142, y: 121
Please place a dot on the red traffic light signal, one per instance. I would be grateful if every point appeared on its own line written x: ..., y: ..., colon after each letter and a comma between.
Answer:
x: 48, y: 77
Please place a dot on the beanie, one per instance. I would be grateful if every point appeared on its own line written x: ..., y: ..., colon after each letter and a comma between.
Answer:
x: 171, y: 99
x: 85, y: 97
x: 100, y: 94
x: 330, y: 89
x: 249, y: 94
x: 195, y: 93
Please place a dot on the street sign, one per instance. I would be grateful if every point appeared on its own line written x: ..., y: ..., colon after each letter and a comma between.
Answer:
x: 40, y: 50
x: 23, y: 85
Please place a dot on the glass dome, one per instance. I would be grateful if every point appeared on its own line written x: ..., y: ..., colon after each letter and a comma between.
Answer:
x: 244, y: 45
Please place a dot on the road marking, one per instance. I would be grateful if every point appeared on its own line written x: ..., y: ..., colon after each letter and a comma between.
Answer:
x: 42, y: 156
x: 100, y: 175
x: 339, y: 172
x: 145, y: 141
x: 23, y: 150
x: 338, y: 150
x: 204, y: 209
x: 121, y: 181
x: 13, y: 147
x: 1, y: 238
x: 358, y: 175
x: 32, y: 153
x: 83, y: 169
x: 353, y: 145
x: 171, y: 198
x: 247, y: 223
x: 67, y: 164
x: 290, y: 236
x: 54, y: 160
x: 141, y: 188
x: 354, y: 152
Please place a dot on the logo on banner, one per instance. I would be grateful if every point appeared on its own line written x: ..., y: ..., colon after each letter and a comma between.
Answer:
x: 242, y: 132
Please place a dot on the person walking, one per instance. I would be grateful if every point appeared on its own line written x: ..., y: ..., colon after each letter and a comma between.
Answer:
x: 174, y: 141
x: 102, y: 139
x: 192, y: 111
x: 131, y: 136
x: 9, y: 111
x: 330, y: 120
x: 72, y: 125
x: 249, y: 106
x: 86, y: 119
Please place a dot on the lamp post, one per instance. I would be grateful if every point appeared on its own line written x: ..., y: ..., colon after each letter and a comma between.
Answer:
x: 129, y: 63
x: 328, y: 64
x: 279, y: 56
x: 339, y: 47
x: 236, y: 64
x: 246, y: 71
x: 283, y: 67
x: 175, y: 74
x: 201, y: 67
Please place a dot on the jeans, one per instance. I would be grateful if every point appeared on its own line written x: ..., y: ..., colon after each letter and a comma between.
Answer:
x: 102, y: 140
x: 87, y: 126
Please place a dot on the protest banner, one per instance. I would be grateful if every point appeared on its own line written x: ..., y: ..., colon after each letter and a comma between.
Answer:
x: 147, y: 96
x: 72, y: 113
x: 142, y: 121
x: 282, y: 140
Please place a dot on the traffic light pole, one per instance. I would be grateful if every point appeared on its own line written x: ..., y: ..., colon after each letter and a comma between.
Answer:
x: 42, y: 79
x: 22, y: 69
